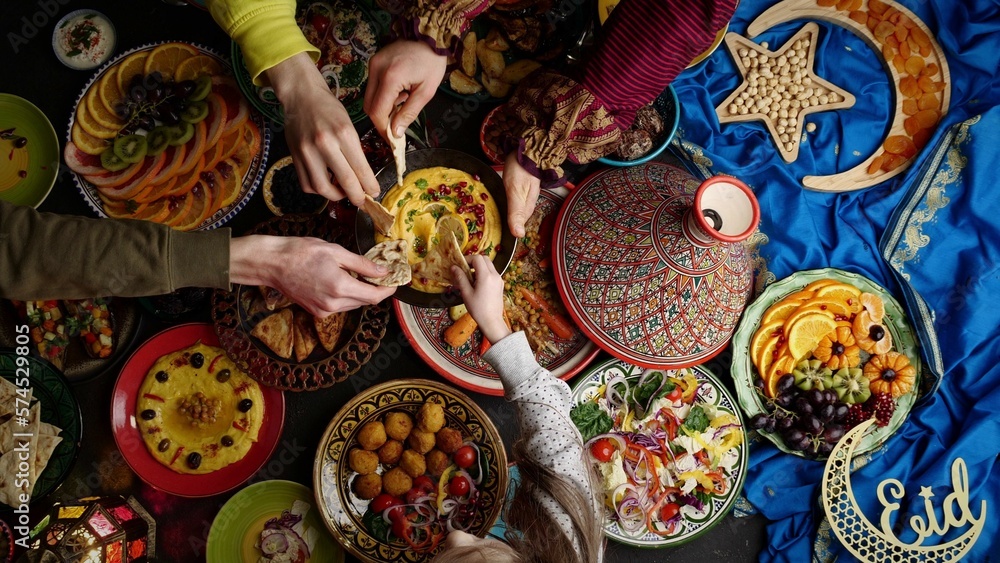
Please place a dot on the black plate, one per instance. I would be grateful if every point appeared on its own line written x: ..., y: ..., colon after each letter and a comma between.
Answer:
x: 452, y: 159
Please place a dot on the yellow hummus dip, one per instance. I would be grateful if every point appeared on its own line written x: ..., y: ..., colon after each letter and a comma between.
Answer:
x: 197, y: 411
x: 437, y: 200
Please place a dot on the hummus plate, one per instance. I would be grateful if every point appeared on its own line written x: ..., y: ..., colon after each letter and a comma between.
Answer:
x: 422, y: 211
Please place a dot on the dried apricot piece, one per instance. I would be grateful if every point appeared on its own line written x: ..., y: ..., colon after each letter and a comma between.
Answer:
x: 908, y: 87
x: 883, y: 30
x: 859, y: 16
x: 925, y: 50
x: 901, y: 145
x: 900, y: 63
x: 826, y: 3
x: 876, y: 164
x: 890, y: 15
x: 888, y: 52
x: 892, y: 162
x: 910, y: 106
x: 927, y: 101
x: 912, y: 42
x: 914, y: 65
x: 926, y: 118
x: 928, y: 84
x: 854, y: 5
x: 872, y: 22
x: 921, y: 137
x: 892, y: 42
x: 920, y: 36
x: 930, y: 70
x: 900, y: 33
x: 842, y: 4
x: 911, y: 125
x: 877, y: 6
x: 904, y: 49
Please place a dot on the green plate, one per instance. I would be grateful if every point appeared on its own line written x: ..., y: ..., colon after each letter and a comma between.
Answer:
x: 59, y: 407
x: 237, y: 526
x: 39, y: 159
x: 744, y: 372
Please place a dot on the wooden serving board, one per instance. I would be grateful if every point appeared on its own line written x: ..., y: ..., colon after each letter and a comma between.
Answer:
x: 919, y: 44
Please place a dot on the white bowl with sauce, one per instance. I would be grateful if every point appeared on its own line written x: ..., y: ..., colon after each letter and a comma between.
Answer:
x: 95, y: 29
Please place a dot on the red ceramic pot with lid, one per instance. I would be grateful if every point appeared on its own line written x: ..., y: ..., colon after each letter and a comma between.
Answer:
x: 651, y: 262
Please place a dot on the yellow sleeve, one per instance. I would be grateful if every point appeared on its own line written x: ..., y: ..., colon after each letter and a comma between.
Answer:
x: 265, y: 30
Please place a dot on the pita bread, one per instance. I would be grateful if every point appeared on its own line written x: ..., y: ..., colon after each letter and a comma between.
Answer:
x: 275, y: 331
x: 381, y: 218
x: 328, y: 329
x: 7, y: 430
x: 436, y: 266
x: 392, y: 255
x: 43, y: 451
x: 8, y: 395
x: 398, y: 145
x: 304, y: 340
x: 274, y: 299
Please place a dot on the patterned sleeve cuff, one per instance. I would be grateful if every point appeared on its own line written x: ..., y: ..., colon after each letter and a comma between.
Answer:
x: 557, y: 119
x: 441, y: 24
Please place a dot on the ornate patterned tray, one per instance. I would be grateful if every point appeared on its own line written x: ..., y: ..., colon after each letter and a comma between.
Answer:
x: 362, y: 333
x: 638, y: 272
x: 342, y: 510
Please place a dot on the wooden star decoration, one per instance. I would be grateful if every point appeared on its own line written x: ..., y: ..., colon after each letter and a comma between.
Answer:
x: 780, y: 88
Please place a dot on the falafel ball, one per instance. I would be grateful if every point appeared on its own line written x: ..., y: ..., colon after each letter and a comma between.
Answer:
x: 436, y: 461
x: 448, y: 440
x: 390, y: 451
x: 430, y: 418
x: 413, y: 463
x: 368, y: 486
x: 649, y: 120
x: 421, y: 441
x: 398, y: 425
x: 396, y: 482
x: 362, y: 461
x: 372, y: 436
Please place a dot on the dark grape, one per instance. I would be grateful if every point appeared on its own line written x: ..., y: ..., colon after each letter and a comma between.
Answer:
x: 154, y: 94
x: 803, y: 406
x: 170, y: 117
x: 135, y: 82
x: 840, y: 411
x: 803, y: 445
x: 121, y: 111
x: 786, y: 382
x: 154, y: 79
x: 769, y: 425
x: 824, y: 448
x: 825, y: 413
x: 793, y: 435
x: 138, y: 93
x: 758, y: 421
x: 146, y: 123
x: 784, y: 400
x: 815, y: 397
x: 784, y: 423
x: 833, y: 432
x: 811, y: 424
x: 830, y: 396
x: 758, y: 383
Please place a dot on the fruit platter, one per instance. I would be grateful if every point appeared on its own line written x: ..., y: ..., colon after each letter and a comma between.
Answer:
x: 669, y: 446
x: 820, y: 352
x: 162, y: 133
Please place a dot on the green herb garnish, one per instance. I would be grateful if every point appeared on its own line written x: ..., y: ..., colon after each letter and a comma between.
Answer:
x: 590, y: 420
x: 696, y: 421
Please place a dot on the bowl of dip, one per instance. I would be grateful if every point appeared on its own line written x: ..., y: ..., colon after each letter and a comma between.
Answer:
x: 84, y: 39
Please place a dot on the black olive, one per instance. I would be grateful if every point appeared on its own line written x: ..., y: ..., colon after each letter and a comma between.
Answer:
x: 20, y: 142
x: 194, y: 460
x: 148, y: 414
x: 197, y: 359
x: 223, y: 375
x: 162, y: 376
x: 876, y: 333
x: 245, y: 405
x: 164, y: 445
x: 227, y: 441
x: 837, y: 349
x: 889, y: 374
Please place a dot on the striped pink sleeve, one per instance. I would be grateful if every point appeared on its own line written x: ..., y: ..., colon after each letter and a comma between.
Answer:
x: 646, y: 44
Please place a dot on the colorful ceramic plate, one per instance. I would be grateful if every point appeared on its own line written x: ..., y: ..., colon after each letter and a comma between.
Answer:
x: 343, y: 511
x: 903, y: 340
x: 129, y: 440
x: 670, y: 112
x: 360, y: 338
x: 710, y: 391
x: 236, y: 529
x: 78, y: 366
x: 464, y: 366
x: 27, y: 173
x: 251, y: 179
x: 59, y: 407
x: 264, y: 98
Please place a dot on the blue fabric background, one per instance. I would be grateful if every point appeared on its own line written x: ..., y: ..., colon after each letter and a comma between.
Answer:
x: 953, y: 271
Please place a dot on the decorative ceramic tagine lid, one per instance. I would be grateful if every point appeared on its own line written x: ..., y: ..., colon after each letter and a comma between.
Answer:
x: 651, y: 265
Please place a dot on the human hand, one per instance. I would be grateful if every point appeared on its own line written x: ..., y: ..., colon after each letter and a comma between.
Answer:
x: 320, y: 133
x: 406, y: 72
x: 312, y: 272
x: 522, y: 194
x: 484, y: 300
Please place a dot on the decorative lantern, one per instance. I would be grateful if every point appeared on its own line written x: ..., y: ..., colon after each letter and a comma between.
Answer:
x: 97, y: 530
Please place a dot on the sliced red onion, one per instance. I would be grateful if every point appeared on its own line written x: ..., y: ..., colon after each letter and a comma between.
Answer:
x: 274, y: 543
x: 614, y: 398
x: 359, y: 48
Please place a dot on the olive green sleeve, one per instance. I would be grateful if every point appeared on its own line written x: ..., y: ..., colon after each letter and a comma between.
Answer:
x: 49, y: 256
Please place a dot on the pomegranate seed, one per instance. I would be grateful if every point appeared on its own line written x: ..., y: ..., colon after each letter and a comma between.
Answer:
x: 822, y: 307
x: 463, y: 184
x: 484, y: 196
x: 430, y: 191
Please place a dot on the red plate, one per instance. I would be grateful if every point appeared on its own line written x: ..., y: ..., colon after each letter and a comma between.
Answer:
x: 129, y: 441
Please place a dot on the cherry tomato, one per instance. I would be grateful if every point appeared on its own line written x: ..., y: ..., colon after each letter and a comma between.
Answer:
x: 602, y: 449
x: 669, y: 510
x: 424, y: 483
x: 465, y: 457
x: 383, y: 501
x: 675, y: 395
x: 413, y: 494
x: 458, y: 486
x: 397, y: 512
x: 320, y: 23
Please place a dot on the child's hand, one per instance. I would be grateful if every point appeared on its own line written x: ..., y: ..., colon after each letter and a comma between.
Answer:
x: 484, y: 300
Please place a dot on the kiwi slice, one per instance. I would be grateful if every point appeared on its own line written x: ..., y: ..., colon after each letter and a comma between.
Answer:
x: 130, y: 148
x: 180, y: 133
x: 111, y: 162
x: 194, y: 112
x: 157, y: 140
x: 202, y: 88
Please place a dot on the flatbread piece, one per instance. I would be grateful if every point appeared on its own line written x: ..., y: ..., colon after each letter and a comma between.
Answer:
x: 381, y: 218
x: 275, y: 331
x: 392, y: 255
x: 436, y: 266
x: 328, y: 329
x: 304, y: 340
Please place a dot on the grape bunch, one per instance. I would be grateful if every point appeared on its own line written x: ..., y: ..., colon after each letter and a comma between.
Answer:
x: 151, y: 100
x: 809, y: 421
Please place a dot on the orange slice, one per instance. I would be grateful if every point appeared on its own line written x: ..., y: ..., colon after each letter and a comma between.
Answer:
x: 167, y: 57
x: 178, y: 207
x: 818, y: 284
x: 806, y: 332
x: 201, y: 209
x: 215, y: 121
x: 156, y: 211
x: 229, y: 179
x: 834, y: 306
x: 217, y: 153
x: 173, y: 157
x: 99, y: 111
x: 156, y: 191
x: 781, y: 366
x: 108, y: 92
x: 806, y: 309
x: 195, y: 149
x: 780, y: 310
x: 120, y: 209
x: 846, y: 293
x: 765, y: 332
x: 91, y: 126
x: 198, y: 65
x: 132, y: 65
x: 87, y: 142
x: 187, y: 180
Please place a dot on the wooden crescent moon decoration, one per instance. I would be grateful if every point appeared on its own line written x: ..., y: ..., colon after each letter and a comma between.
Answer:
x: 917, y: 67
x: 874, y: 545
